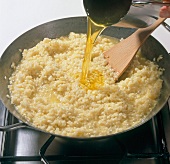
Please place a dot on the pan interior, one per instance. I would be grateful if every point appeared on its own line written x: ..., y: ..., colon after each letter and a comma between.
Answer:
x: 151, y: 49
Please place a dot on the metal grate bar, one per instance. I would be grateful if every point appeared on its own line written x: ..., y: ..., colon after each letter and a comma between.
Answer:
x: 149, y: 155
x: 82, y: 158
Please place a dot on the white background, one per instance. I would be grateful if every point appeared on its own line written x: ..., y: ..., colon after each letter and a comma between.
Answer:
x: 18, y: 16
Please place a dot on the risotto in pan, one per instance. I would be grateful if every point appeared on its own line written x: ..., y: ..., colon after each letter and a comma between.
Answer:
x: 46, y: 89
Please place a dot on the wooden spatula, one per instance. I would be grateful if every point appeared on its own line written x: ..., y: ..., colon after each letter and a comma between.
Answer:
x: 120, y: 55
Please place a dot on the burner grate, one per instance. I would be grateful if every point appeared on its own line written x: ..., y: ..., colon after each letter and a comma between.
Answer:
x: 155, y: 150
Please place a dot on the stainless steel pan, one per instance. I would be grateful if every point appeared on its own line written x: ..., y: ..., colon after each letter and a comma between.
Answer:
x: 151, y: 49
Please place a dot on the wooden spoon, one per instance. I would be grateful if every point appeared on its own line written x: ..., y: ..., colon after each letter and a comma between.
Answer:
x: 120, y: 55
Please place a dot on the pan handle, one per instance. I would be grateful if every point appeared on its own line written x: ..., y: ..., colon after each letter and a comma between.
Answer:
x: 164, y: 24
x: 13, y: 127
x: 167, y: 26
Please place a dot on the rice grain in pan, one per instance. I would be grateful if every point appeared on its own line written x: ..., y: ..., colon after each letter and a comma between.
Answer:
x: 45, y: 88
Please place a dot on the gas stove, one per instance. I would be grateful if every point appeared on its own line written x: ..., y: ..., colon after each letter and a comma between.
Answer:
x: 149, y: 143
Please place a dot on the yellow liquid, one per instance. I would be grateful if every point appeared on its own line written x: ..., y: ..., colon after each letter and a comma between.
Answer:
x: 95, y: 78
x: 101, y: 14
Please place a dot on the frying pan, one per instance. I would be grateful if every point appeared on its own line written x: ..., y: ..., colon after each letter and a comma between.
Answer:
x: 151, y: 49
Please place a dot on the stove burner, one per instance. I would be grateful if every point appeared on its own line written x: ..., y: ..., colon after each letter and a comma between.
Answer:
x: 148, y: 143
x: 110, y: 148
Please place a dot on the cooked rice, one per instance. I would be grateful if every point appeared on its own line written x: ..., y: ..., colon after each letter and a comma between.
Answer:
x: 45, y: 88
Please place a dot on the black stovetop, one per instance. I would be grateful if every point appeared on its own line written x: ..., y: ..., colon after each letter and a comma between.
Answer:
x: 147, y: 144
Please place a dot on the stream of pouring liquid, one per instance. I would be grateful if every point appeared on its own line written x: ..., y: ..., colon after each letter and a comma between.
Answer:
x: 93, y: 32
